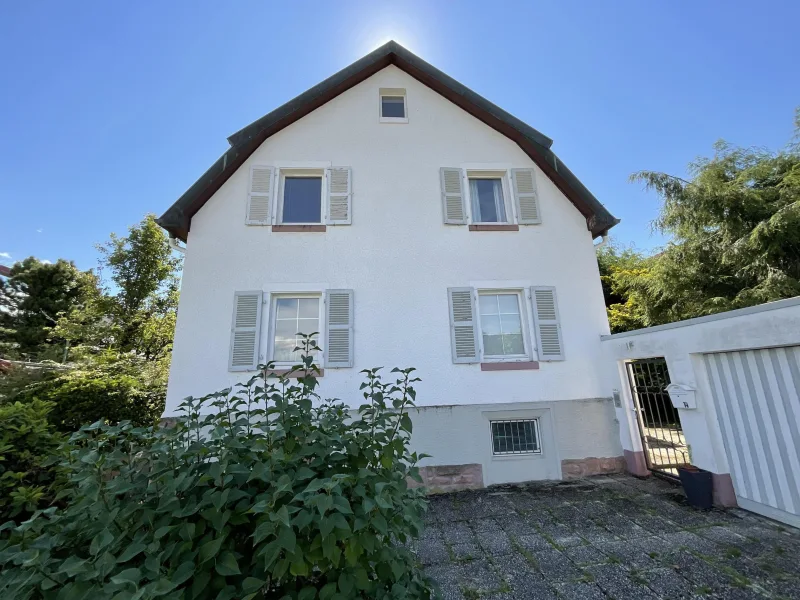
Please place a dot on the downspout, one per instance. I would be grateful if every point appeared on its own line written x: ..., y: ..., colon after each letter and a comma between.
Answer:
x: 175, y: 245
x: 602, y: 242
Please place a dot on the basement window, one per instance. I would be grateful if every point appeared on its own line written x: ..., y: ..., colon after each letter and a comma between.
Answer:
x: 393, y: 107
x: 515, y: 437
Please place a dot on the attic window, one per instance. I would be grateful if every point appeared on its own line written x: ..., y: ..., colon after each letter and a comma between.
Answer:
x: 393, y: 107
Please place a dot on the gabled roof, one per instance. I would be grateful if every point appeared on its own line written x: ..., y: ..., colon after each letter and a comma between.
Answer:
x: 177, y: 219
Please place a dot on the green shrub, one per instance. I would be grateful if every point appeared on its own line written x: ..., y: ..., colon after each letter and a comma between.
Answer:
x: 27, y: 443
x: 84, y: 396
x: 276, y: 494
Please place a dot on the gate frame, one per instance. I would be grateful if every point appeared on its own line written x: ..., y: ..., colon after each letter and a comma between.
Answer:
x: 638, y: 410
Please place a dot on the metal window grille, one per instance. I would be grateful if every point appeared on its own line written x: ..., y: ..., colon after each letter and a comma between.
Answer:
x: 515, y: 437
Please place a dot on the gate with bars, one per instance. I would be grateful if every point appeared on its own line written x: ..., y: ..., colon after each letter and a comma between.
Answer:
x: 659, y: 422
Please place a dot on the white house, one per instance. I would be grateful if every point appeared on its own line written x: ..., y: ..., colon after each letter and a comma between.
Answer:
x: 412, y: 223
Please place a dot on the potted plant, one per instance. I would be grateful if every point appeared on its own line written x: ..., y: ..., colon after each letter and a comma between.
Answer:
x: 697, y: 484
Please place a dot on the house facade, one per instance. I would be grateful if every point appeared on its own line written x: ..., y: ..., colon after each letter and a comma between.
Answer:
x: 411, y: 223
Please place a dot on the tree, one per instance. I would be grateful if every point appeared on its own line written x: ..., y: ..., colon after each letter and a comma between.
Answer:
x: 136, y: 312
x: 617, y: 267
x: 32, y: 299
x: 145, y: 272
x: 735, y: 227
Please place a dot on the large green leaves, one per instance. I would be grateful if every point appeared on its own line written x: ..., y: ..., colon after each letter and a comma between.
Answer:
x: 257, y: 492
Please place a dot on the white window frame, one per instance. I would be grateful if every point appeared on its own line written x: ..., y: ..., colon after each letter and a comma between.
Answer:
x: 393, y: 92
x: 301, y: 171
x: 524, y: 323
x: 273, y: 312
x: 504, y: 176
x: 536, y: 433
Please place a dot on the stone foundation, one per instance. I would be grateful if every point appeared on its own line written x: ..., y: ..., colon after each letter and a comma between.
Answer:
x: 636, y: 463
x: 723, y: 492
x: 574, y: 468
x: 449, y: 478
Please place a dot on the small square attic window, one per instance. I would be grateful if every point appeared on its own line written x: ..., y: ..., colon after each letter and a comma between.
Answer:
x: 393, y: 107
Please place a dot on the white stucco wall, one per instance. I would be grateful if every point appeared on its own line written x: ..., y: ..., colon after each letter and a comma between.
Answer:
x: 683, y: 344
x: 397, y: 256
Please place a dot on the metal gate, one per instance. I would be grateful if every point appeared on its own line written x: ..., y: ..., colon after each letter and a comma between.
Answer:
x: 757, y: 397
x: 659, y: 422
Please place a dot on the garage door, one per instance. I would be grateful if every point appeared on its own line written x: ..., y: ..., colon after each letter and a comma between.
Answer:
x: 757, y: 398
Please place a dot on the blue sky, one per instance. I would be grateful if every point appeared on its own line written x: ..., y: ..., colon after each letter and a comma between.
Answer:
x: 111, y: 110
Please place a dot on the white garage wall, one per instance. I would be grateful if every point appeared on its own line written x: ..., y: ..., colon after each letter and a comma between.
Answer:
x: 690, y: 348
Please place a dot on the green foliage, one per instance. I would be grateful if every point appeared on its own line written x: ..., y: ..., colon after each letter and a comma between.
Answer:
x: 144, y: 271
x: 119, y: 336
x: 735, y: 228
x: 736, y: 234
x: 617, y: 267
x: 31, y: 300
x: 110, y: 387
x: 275, y: 494
x: 27, y: 443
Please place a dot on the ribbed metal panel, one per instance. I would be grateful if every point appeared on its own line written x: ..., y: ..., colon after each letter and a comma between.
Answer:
x: 757, y: 399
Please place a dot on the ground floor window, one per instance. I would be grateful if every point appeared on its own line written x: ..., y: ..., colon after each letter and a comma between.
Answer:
x: 293, y: 315
x: 515, y: 437
x: 501, y: 325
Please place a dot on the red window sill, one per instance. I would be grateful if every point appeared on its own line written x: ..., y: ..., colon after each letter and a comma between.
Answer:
x: 298, y: 228
x: 295, y: 375
x: 498, y: 227
x: 510, y: 366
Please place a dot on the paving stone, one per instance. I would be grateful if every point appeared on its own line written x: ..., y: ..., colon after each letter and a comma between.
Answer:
x: 515, y: 525
x: 655, y: 524
x: 458, y: 533
x: 614, y: 581
x: 592, y: 532
x: 513, y: 565
x: 523, y: 501
x: 479, y: 542
x: 697, y: 570
x: 566, y: 513
x: 534, y: 543
x: 479, y: 575
x: 622, y: 527
x: 466, y: 551
x: 440, y: 509
x: 653, y: 547
x: 562, y: 535
x: 626, y: 554
x: 431, y: 531
x: 431, y: 551
x: 580, y: 591
x: 495, y: 542
x: 555, y: 566
x: 489, y: 524
x: 586, y: 555
x: 692, y: 541
x: 668, y: 584
x: 446, y: 578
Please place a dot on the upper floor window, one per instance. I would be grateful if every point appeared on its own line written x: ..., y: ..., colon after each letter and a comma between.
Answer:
x: 301, y: 197
x: 393, y: 107
x: 488, y: 200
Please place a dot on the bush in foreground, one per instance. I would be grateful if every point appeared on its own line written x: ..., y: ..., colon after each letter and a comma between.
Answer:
x: 28, y: 443
x: 276, y: 494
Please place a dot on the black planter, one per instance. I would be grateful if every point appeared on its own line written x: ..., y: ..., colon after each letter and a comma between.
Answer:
x: 698, y: 487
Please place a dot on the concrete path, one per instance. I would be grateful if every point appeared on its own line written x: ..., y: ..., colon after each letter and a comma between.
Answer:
x: 603, y: 537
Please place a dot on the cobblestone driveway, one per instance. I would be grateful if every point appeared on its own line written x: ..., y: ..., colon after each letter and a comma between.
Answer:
x: 605, y: 537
